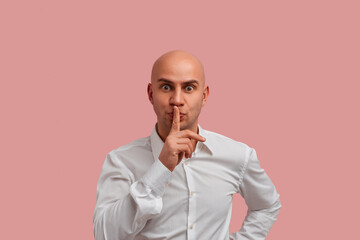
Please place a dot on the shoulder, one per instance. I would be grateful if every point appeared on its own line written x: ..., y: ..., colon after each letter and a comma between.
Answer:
x: 219, y: 141
x: 130, y: 159
x: 126, y: 155
x: 138, y: 146
x: 228, y: 152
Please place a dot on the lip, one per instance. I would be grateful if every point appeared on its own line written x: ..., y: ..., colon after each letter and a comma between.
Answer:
x: 181, y: 115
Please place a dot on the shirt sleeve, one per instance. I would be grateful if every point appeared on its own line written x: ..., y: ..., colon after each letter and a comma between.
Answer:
x: 123, y: 206
x: 262, y: 200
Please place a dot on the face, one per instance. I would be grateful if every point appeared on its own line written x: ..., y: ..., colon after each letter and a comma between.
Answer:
x: 178, y: 81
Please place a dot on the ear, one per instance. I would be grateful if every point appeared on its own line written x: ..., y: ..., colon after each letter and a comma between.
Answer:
x: 205, y: 95
x: 150, y: 93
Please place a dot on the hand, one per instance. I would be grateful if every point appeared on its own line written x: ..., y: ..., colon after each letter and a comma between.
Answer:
x: 178, y: 143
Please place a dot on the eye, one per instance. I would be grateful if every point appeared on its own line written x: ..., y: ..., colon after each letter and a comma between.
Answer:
x: 189, y: 88
x: 166, y: 87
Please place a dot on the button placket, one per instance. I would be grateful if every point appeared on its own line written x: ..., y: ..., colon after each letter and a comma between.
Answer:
x: 191, y: 200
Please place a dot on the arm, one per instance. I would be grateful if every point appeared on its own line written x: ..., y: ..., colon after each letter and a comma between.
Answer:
x: 262, y: 200
x: 123, y: 206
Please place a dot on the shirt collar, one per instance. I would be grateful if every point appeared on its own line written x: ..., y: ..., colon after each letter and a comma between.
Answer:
x: 157, y: 144
x: 208, y: 142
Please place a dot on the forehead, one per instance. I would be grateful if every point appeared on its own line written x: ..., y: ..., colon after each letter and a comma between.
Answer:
x: 177, y: 69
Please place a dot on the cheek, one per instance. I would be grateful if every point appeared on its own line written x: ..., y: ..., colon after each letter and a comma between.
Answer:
x: 159, y: 105
x: 198, y: 102
x: 159, y: 99
x: 195, y: 107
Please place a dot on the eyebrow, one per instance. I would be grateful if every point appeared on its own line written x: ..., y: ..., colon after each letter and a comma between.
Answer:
x: 192, y: 81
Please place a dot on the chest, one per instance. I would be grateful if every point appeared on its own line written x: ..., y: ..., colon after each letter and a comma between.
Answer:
x: 198, y: 195
x: 201, y: 186
x: 206, y: 184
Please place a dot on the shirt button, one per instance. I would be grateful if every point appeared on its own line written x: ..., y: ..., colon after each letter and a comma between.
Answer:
x: 191, y: 193
x: 186, y: 162
x: 166, y: 184
x: 191, y: 226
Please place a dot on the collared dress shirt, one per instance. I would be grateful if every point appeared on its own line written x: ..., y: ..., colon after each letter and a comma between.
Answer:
x: 139, y: 198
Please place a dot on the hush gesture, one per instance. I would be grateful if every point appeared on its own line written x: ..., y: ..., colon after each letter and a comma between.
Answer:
x: 178, y: 143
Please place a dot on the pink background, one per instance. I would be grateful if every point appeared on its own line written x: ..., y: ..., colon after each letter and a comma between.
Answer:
x: 283, y: 75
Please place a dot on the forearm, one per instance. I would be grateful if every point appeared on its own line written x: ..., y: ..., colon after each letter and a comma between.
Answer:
x: 123, y: 207
x: 258, y: 223
x: 126, y: 217
x: 262, y: 200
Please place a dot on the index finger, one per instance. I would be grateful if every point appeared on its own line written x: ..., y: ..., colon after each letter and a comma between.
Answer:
x: 175, y: 127
x: 192, y: 135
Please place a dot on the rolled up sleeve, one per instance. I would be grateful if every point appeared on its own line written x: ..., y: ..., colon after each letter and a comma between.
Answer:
x: 123, y: 205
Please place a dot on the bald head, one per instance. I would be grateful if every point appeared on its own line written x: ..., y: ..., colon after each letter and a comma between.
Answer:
x: 177, y: 79
x: 179, y: 63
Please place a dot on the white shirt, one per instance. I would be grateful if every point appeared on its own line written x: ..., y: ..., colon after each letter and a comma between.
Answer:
x: 139, y: 198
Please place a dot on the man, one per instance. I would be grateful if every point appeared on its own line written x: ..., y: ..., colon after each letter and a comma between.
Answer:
x: 178, y: 182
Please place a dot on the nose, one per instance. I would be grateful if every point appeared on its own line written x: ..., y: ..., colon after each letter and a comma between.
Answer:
x: 176, y: 98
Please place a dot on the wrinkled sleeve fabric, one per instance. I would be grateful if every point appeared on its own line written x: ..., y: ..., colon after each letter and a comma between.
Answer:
x: 123, y: 204
x: 262, y: 200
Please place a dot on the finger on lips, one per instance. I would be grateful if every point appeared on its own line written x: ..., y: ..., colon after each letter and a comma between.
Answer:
x: 176, y: 127
x: 176, y: 120
x: 187, y: 147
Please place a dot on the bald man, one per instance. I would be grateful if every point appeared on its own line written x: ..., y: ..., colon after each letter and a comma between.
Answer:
x: 178, y: 182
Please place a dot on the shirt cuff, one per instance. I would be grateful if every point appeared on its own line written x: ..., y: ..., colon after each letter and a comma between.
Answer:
x: 156, y: 177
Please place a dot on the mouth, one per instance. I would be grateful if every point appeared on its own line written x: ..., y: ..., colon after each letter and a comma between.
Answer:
x: 172, y: 115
